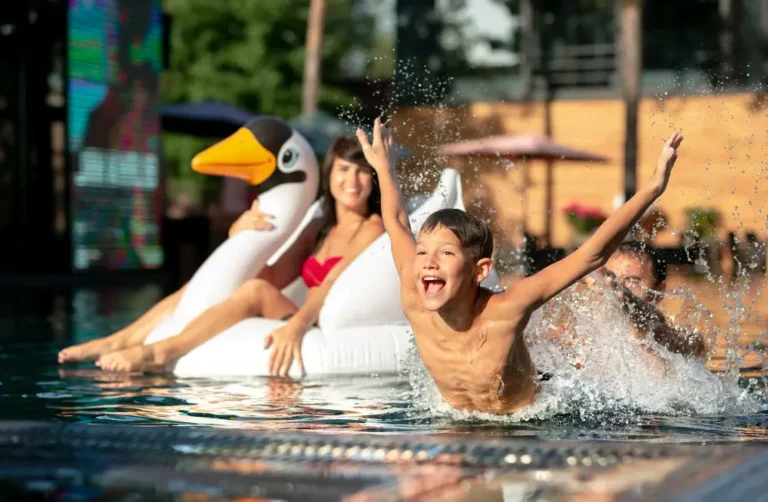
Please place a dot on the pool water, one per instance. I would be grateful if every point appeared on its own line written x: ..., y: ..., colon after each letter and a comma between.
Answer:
x: 34, y: 387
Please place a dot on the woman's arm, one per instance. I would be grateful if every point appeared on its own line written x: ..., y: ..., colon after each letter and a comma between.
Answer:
x: 310, y: 311
x: 251, y: 219
x: 287, y: 339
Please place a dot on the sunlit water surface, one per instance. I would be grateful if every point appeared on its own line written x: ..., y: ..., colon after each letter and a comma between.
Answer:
x: 34, y: 387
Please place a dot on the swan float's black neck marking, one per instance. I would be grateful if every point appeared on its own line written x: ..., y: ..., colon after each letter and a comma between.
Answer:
x: 272, y: 133
x: 280, y: 178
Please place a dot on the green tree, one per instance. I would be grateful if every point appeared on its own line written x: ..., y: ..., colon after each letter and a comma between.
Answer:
x: 251, y: 54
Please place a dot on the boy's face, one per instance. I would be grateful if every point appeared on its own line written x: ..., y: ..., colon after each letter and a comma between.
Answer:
x: 635, y: 274
x: 443, y: 269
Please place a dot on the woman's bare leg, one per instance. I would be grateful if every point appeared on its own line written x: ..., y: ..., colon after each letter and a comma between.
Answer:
x: 134, y: 334
x: 256, y: 297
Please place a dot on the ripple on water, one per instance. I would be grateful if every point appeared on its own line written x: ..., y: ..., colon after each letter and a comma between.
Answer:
x: 574, y: 404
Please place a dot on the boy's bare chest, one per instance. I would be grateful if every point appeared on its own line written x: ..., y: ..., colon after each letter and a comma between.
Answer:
x: 466, y: 362
x: 477, y: 369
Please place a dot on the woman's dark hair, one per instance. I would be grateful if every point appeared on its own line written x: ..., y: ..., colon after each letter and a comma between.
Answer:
x: 349, y: 149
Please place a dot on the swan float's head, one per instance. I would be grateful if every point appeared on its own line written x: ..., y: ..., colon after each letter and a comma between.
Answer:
x: 265, y: 152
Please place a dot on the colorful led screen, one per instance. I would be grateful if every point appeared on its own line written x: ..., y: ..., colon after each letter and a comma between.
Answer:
x: 115, y: 60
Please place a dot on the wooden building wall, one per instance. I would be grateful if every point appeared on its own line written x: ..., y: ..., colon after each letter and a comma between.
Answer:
x: 723, y: 161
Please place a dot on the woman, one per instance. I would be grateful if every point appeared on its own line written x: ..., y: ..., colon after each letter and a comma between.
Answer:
x: 351, y: 222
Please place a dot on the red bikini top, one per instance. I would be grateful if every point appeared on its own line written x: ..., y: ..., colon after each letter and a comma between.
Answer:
x: 314, y: 272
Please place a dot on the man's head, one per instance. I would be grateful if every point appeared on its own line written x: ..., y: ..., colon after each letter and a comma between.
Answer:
x: 453, y: 256
x: 638, y: 269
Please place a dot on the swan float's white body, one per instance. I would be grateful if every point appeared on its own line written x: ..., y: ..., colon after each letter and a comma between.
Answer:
x: 362, y: 327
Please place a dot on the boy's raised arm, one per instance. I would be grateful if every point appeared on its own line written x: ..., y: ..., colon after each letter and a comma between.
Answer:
x: 380, y: 156
x: 536, y: 290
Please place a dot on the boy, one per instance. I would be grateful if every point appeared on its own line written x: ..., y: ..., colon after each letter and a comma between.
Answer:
x: 469, y: 338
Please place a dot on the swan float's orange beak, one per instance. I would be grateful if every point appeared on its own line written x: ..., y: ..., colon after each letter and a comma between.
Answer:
x: 240, y: 155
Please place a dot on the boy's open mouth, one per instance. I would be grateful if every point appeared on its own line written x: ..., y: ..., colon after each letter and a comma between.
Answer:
x: 432, y: 285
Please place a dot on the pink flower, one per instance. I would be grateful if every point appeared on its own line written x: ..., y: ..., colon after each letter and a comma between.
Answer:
x: 571, y: 208
x: 582, y: 211
x: 584, y: 219
x: 594, y: 212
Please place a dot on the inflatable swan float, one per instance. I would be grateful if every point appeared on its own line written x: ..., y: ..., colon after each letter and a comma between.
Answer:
x: 362, y: 327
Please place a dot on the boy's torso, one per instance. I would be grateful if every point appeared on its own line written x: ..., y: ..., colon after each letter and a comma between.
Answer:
x: 486, y: 368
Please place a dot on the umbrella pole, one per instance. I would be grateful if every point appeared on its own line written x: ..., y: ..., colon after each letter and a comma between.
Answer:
x: 313, y: 54
x: 549, y: 182
x: 524, y: 200
x: 546, y: 53
x: 631, y: 73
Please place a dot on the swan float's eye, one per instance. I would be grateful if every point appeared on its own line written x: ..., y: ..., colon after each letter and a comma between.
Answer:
x: 289, y: 158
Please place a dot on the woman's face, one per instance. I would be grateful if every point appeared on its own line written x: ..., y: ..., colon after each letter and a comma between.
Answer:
x: 351, y: 185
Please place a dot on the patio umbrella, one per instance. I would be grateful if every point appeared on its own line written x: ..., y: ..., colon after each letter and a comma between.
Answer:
x: 208, y: 119
x: 530, y: 146
x: 519, y: 146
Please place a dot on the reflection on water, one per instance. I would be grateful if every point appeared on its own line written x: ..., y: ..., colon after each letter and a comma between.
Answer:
x: 34, y: 387
x: 67, y: 316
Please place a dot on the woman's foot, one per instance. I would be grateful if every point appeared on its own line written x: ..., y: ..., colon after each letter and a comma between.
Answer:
x: 89, y: 351
x: 133, y: 359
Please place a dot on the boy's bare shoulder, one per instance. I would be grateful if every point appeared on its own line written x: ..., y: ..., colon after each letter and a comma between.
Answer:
x: 485, y: 296
x: 501, y: 306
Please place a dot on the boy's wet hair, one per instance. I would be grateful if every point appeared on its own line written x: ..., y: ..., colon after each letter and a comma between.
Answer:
x: 473, y: 233
x: 643, y: 252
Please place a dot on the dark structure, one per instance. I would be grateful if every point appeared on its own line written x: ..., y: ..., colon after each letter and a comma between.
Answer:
x: 571, y: 48
x: 37, y: 168
x: 33, y: 229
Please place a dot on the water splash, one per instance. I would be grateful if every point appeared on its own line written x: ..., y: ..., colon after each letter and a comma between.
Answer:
x: 601, y: 372
x: 601, y: 369
x: 421, y: 131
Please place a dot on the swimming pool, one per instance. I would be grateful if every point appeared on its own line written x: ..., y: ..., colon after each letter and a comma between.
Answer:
x: 364, y: 409
x: 35, y: 388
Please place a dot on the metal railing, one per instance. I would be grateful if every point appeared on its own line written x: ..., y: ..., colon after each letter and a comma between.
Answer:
x: 586, y: 65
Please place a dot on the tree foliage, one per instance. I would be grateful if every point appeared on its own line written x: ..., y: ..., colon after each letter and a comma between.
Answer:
x: 251, y: 54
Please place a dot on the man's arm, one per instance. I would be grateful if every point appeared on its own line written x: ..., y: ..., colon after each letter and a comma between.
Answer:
x: 687, y: 343
x: 380, y: 156
x: 647, y: 318
x: 594, y: 253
